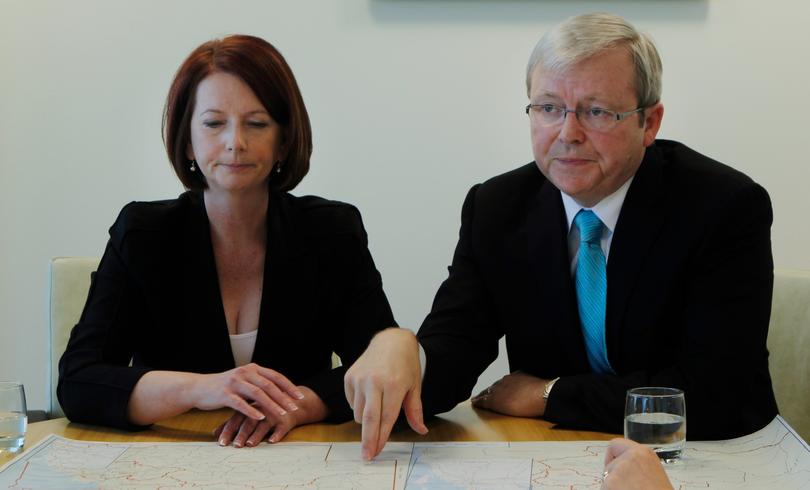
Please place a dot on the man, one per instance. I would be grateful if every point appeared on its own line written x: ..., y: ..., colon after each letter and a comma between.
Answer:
x: 613, y: 261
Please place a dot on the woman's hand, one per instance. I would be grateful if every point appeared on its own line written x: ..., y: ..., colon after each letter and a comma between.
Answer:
x: 243, y: 431
x: 252, y: 390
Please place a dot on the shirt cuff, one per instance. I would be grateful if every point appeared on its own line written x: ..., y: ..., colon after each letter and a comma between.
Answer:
x: 422, y: 360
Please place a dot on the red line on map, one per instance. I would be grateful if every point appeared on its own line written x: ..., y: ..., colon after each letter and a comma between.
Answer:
x: 17, y: 481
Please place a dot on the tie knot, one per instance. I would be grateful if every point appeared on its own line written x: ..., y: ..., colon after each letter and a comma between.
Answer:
x: 590, y: 227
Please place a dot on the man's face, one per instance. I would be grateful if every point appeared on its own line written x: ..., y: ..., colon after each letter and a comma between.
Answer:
x: 584, y: 163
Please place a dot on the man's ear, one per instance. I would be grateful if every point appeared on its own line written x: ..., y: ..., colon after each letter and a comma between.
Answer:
x: 653, y: 116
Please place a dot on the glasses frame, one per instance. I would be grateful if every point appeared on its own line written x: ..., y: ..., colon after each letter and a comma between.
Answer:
x: 615, y: 117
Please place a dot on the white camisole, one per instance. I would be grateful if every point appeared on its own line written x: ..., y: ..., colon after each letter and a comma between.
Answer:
x: 242, y: 345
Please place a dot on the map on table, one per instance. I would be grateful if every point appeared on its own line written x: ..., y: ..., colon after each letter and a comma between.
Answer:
x: 774, y: 457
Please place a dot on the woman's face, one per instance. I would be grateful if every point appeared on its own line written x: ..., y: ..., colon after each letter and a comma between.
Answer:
x: 233, y: 139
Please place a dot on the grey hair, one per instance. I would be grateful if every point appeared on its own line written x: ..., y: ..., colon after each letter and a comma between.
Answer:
x: 584, y: 36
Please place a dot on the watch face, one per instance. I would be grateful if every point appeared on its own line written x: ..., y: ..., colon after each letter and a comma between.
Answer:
x: 547, y: 390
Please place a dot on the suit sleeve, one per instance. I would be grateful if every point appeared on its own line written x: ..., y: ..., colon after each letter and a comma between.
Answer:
x: 721, y: 363
x: 359, y: 309
x: 95, y: 379
x: 460, y: 335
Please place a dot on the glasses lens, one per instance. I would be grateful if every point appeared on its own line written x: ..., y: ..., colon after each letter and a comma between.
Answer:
x: 592, y: 118
x: 598, y: 119
x: 546, y: 115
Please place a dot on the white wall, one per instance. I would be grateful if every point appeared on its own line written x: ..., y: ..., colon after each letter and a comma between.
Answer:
x: 412, y: 102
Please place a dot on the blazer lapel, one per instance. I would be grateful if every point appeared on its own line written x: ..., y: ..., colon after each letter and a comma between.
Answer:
x: 548, y: 256
x: 277, y: 260
x: 638, y: 227
x: 205, y: 316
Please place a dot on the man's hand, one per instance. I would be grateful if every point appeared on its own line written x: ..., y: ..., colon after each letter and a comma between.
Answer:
x: 517, y: 394
x: 630, y: 466
x: 384, y: 379
x: 244, y: 431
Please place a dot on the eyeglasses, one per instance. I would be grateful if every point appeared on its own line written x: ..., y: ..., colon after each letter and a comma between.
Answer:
x: 590, y: 117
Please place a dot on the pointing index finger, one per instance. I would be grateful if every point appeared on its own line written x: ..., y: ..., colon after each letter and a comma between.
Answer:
x: 371, y: 425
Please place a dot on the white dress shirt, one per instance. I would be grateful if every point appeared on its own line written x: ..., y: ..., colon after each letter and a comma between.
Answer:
x: 607, y: 210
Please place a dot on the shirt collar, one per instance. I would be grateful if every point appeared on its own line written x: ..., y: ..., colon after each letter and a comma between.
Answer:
x: 607, y: 210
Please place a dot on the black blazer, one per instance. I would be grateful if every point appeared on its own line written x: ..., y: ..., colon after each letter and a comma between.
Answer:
x: 155, y: 301
x: 690, y: 276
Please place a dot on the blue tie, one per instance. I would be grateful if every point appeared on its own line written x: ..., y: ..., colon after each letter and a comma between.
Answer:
x: 591, y: 285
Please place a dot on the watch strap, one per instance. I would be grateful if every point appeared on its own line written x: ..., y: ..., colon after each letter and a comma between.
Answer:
x: 549, y: 386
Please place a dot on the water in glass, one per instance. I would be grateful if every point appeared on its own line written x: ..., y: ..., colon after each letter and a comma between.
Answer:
x: 13, y: 420
x: 664, y: 432
x: 12, y: 431
x: 656, y: 416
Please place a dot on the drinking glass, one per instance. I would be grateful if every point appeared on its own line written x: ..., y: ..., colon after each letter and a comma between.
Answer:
x: 13, y: 419
x: 657, y: 417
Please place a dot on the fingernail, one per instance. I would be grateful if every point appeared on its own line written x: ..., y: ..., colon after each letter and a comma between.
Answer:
x: 282, y: 412
x: 237, y: 444
x: 293, y: 407
x: 249, y: 444
x: 299, y: 395
x: 222, y: 441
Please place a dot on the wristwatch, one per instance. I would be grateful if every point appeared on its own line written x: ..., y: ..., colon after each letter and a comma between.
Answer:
x: 549, y: 386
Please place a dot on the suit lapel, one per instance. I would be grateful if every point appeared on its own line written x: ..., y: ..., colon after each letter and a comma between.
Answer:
x: 205, y: 316
x: 548, y: 256
x: 278, y: 259
x: 638, y: 227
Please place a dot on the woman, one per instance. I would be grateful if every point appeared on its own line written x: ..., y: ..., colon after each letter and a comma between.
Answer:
x: 190, y: 291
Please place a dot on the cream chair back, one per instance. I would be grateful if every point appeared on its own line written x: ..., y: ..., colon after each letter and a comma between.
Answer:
x: 789, y: 346
x: 70, y: 283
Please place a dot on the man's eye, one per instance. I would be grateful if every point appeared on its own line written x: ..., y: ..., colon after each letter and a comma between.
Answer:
x: 548, y: 108
x: 598, y: 112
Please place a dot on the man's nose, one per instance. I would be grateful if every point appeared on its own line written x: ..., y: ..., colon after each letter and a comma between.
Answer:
x: 571, y: 130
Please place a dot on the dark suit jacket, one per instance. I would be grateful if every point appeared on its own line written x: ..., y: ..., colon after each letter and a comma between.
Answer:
x: 155, y: 300
x: 690, y: 275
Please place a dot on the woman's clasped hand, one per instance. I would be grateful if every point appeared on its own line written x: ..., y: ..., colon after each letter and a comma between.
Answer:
x: 252, y: 390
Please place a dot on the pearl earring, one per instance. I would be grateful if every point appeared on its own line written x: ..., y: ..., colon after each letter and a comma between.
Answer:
x: 193, y: 168
x: 278, y: 167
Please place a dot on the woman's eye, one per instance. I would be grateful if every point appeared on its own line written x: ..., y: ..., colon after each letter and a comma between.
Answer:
x: 212, y: 124
x: 258, y: 124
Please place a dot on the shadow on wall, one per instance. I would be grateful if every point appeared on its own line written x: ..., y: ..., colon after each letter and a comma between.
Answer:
x: 531, y: 11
